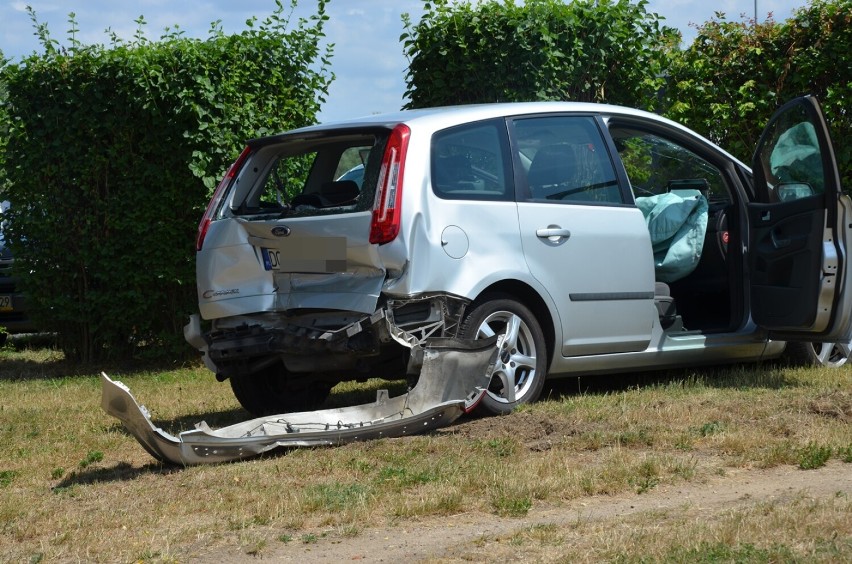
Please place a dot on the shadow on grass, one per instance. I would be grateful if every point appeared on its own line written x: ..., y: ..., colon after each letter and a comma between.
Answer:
x: 37, y: 356
x: 121, y: 472
x: 15, y: 369
x: 763, y: 375
x: 348, y: 394
x: 19, y: 368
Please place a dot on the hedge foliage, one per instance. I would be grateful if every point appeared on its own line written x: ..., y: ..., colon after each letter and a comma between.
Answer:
x: 112, y: 154
x: 725, y: 85
x: 735, y: 74
x: 586, y: 50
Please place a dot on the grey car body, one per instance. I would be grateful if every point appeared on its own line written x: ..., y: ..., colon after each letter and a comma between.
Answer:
x: 519, y: 219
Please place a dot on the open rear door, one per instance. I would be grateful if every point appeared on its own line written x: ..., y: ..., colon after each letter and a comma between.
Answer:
x: 799, y: 230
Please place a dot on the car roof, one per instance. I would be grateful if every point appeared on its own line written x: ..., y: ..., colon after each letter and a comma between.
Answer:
x: 446, y: 116
x: 476, y: 112
x: 437, y: 118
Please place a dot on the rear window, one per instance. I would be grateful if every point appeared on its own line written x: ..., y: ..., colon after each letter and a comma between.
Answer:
x: 325, y: 175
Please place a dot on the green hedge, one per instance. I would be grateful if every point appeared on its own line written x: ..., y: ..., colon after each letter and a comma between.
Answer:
x: 112, y: 155
x: 498, y: 51
x: 725, y: 85
x: 728, y: 83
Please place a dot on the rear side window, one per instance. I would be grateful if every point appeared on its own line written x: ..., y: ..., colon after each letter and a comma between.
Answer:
x: 331, y: 174
x: 564, y: 159
x: 470, y: 162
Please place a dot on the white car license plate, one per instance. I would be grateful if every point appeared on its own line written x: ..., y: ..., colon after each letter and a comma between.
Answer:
x: 6, y: 303
x: 321, y: 255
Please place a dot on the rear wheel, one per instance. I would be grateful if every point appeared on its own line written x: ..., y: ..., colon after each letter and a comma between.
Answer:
x: 519, y: 377
x: 273, y: 390
x: 831, y: 355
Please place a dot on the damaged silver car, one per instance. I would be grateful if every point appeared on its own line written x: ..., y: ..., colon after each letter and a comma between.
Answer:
x: 595, y: 239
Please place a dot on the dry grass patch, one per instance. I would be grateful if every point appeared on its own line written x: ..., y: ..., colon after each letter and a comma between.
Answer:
x: 74, y: 485
x: 799, y: 529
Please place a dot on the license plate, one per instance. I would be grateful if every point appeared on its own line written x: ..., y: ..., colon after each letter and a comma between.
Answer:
x: 322, y: 254
x: 6, y: 303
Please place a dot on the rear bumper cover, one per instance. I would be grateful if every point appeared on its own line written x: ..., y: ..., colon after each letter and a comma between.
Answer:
x: 454, y: 378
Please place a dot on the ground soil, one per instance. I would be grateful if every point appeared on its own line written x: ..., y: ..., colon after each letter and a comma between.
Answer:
x: 453, y: 538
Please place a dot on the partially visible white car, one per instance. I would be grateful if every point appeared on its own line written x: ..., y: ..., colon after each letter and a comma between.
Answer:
x: 597, y: 238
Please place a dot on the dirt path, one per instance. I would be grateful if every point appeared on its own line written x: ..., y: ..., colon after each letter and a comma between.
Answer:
x: 449, y: 537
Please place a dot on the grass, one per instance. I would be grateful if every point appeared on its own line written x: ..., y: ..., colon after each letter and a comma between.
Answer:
x: 74, y: 485
x: 784, y: 530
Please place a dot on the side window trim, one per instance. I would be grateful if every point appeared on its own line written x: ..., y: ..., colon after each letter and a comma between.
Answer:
x: 620, y: 173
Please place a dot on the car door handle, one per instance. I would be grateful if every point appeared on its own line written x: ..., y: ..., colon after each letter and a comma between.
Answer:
x: 552, y: 233
x: 777, y: 242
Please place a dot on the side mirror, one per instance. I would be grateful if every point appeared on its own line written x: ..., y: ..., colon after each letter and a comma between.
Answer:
x: 788, y: 192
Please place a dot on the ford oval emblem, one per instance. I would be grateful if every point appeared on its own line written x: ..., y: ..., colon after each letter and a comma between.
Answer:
x: 281, y: 231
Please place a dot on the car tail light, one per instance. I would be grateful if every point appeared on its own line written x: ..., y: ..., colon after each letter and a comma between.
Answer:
x: 217, y: 197
x: 387, y: 209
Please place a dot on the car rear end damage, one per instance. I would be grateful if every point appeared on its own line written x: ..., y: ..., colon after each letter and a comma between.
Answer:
x: 319, y: 341
x: 295, y: 257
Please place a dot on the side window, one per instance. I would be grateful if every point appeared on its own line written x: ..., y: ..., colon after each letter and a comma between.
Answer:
x: 656, y: 165
x: 468, y: 162
x: 565, y: 160
x: 352, y: 164
x: 790, y: 157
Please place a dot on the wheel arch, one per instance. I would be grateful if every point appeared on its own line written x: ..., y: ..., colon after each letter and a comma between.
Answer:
x: 528, y: 296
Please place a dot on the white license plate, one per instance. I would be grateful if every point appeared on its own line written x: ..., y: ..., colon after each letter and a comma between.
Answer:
x: 321, y: 255
x: 6, y: 303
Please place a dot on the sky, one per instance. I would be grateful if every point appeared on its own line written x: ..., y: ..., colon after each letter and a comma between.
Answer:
x: 368, y: 61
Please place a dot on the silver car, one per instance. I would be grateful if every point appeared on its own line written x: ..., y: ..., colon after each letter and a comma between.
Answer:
x: 598, y: 239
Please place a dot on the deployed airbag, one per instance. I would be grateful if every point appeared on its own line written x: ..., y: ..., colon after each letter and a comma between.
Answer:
x: 677, y: 223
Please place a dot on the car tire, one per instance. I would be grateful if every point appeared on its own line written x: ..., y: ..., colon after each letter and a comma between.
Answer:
x: 524, y: 354
x: 830, y: 355
x: 273, y: 390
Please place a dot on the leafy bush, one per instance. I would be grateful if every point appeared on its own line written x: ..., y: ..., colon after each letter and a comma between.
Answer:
x: 606, y: 50
x: 112, y: 154
x: 727, y: 84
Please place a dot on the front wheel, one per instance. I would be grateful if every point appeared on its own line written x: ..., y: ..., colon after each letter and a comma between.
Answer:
x: 831, y: 355
x: 521, y: 369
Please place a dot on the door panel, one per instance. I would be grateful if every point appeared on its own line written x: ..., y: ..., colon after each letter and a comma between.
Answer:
x: 799, y: 230
x: 787, y: 252
x: 591, y: 252
x: 600, y: 275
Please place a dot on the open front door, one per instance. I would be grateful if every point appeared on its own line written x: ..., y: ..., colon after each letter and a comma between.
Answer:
x: 799, y: 230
